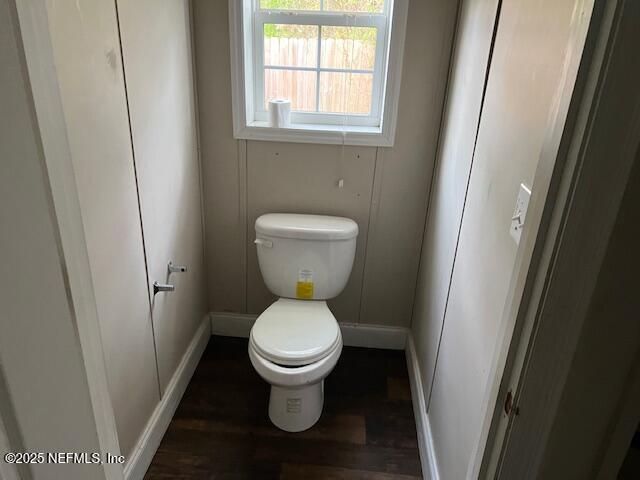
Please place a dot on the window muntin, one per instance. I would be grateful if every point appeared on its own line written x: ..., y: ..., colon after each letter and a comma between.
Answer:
x: 328, y: 57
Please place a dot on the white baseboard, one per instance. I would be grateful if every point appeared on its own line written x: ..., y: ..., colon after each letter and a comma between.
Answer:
x: 374, y: 336
x: 425, y: 439
x: 232, y: 324
x: 353, y: 334
x: 137, y: 465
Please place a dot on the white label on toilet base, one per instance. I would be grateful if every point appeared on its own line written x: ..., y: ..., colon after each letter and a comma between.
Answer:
x: 294, y: 405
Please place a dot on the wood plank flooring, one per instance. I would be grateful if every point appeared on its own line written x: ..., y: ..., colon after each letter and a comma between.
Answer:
x: 221, y: 429
x: 630, y: 469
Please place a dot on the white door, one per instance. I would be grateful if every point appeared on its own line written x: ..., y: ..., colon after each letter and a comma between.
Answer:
x: 156, y: 46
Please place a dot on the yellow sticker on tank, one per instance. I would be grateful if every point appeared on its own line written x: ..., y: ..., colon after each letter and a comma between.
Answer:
x: 304, y: 290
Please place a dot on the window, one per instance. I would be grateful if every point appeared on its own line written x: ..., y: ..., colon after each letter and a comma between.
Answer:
x: 336, y: 61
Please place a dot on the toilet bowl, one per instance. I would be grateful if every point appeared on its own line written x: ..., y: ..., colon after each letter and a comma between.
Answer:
x: 293, y: 346
x: 296, y: 342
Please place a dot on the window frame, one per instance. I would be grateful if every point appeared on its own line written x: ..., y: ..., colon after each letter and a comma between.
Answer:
x: 377, y: 128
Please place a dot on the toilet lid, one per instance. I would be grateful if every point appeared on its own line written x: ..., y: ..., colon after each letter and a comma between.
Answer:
x: 295, y: 332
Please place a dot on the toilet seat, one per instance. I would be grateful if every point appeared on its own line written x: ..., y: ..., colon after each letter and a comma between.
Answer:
x: 295, y: 332
x: 295, y: 377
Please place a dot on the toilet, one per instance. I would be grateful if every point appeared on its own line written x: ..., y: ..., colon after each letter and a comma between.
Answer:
x: 295, y: 343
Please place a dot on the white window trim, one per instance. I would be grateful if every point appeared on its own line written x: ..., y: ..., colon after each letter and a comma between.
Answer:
x: 360, y: 130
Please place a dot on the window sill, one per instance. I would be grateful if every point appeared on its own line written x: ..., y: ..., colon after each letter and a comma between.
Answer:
x: 308, y: 133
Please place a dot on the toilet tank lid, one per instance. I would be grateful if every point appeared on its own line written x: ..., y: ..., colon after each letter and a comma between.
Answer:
x: 308, y: 227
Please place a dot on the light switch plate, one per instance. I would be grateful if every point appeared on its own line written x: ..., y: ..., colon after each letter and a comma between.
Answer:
x: 520, y: 212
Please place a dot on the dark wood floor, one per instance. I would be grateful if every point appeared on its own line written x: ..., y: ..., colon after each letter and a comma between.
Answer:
x: 630, y: 469
x: 221, y: 429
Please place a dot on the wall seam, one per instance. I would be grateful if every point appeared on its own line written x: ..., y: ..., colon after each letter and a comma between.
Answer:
x: 464, y: 205
x: 135, y: 174
x: 436, y: 166
x: 196, y: 105
x: 372, y: 207
x: 243, y: 158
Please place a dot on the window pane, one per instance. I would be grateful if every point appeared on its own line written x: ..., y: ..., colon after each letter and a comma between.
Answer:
x: 295, y: 85
x: 352, y: 48
x: 369, y: 6
x: 290, y: 45
x: 291, y: 4
x: 346, y: 92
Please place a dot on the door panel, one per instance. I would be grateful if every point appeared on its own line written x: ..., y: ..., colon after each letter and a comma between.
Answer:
x: 156, y: 45
x: 529, y: 69
x: 88, y: 64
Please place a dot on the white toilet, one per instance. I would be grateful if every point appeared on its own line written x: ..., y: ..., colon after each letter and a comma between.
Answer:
x: 296, y: 342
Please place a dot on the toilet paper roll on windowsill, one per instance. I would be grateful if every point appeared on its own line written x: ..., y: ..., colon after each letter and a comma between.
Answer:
x: 279, y: 113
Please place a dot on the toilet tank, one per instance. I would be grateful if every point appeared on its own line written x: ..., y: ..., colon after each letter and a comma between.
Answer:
x: 307, y: 257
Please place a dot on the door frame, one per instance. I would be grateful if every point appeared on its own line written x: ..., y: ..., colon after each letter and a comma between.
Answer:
x: 584, y: 197
x: 32, y: 23
x: 8, y: 471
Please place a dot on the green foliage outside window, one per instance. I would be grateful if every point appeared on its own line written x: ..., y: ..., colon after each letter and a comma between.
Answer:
x: 363, y: 34
x: 291, y: 4
x: 367, y: 35
x: 367, y: 6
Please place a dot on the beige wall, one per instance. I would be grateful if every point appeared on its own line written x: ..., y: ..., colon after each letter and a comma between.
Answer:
x: 529, y: 69
x: 44, y: 370
x: 385, y: 189
x: 462, y: 115
x: 86, y: 49
x: 156, y: 50
x: 144, y: 338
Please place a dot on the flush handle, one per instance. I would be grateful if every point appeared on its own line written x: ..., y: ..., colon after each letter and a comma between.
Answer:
x: 162, y: 287
x: 263, y: 242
